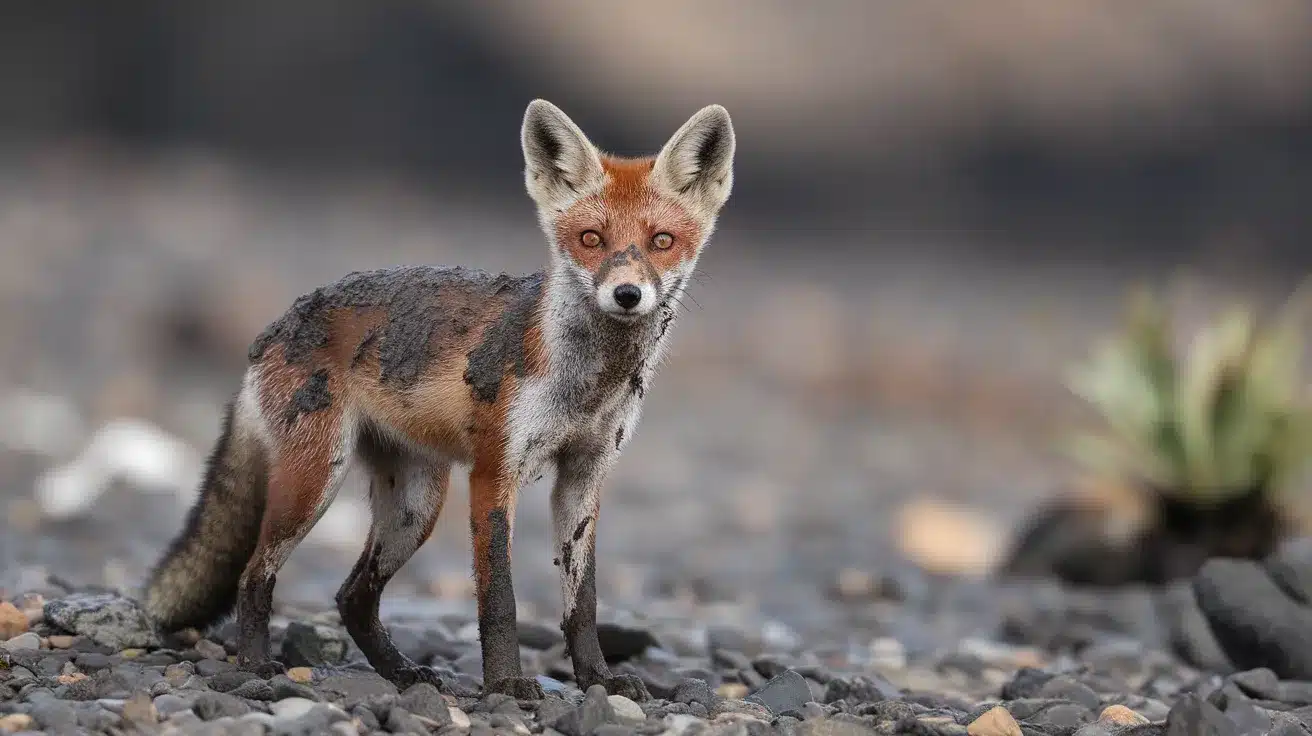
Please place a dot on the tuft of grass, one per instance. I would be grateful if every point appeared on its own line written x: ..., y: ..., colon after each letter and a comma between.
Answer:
x: 1226, y: 418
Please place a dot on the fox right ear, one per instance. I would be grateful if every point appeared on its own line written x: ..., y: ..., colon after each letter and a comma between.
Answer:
x: 560, y: 163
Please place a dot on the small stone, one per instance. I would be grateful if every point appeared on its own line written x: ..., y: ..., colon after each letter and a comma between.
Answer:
x: 312, y: 646
x: 1121, y: 716
x: 211, y: 706
x: 253, y: 690
x: 291, y: 708
x: 12, y: 620
x: 626, y: 709
x: 694, y: 691
x: 862, y: 689
x: 212, y: 667
x: 131, y: 653
x: 108, y: 619
x: 226, y: 681
x: 459, y: 718
x: 283, y: 687
x: 28, y: 642
x: 539, y: 636
x: 70, y: 679
x: 732, y: 690
x: 788, y: 691
x: 994, y: 722
x: 1066, y: 688
x: 1193, y: 716
x: 140, y: 710
x: 424, y: 700
x: 166, y: 705
x: 595, y: 711
x: 16, y: 722
x: 301, y: 675
x: 62, y: 641
x: 398, y: 721
x: 210, y: 650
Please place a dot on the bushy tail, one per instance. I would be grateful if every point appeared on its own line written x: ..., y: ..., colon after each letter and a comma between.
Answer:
x: 195, y: 583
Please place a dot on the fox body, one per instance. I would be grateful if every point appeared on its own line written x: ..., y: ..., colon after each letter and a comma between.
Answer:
x: 412, y: 370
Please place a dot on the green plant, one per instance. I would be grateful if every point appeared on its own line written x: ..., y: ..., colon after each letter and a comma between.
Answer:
x: 1226, y: 419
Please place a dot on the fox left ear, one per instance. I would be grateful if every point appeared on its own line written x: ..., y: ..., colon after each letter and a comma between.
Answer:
x: 697, y: 162
x: 560, y: 163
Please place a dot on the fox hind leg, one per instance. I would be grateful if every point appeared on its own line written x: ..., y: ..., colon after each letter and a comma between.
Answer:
x: 407, y: 494
x: 304, y: 478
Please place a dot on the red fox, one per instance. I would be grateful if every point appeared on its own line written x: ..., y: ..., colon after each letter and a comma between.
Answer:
x: 410, y: 370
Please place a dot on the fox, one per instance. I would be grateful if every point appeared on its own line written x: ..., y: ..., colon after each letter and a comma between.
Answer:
x: 411, y: 370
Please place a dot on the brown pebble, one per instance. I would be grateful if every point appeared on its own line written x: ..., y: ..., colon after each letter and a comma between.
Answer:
x: 140, y: 711
x: 732, y: 690
x: 995, y: 722
x: 12, y: 621
x: 62, y: 641
x: 131, y: 653
x: 1122, y: 716
x: 16, y: 723
x: 70, y: 679
x: 303, y: 675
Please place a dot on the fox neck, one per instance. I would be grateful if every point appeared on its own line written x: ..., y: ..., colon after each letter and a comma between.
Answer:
x: 580, y: 339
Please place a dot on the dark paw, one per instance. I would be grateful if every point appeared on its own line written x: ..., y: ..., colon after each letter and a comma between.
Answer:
x: 519, y: 688
x: 627, y: 685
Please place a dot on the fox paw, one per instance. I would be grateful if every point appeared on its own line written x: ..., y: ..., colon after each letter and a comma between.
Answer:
x: 519, y: 688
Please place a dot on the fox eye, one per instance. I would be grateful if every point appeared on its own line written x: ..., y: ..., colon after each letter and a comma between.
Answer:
x: 662, y: 240
x: 591, y: 239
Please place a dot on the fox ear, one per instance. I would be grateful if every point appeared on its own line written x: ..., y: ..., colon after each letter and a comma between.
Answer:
x: 560, y: 163
x: 697, y: 162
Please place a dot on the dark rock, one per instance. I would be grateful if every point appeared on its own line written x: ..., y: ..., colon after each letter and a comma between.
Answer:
x: 582, y: 721
x: 226, y: 681
x: 729, y: 659
x: 694, y: 691
x: 1248, y: 717
x: 1062, y: 717
x: 1256, y: 624
x: 1066, y: 688
x: 424, y: 700
x: 552, y: 709
x: 862, y: 689
x: 539, y: 636
x: 786, y: 692
x: 1294, y: 692
x: 91, y: 662
x: 82, y: 690
x: 212, y: 667
x: 1193, y: 716
x: 167, y: 705
x: 399, y: 721
x: 1258, y: 683
x: 356, y: 687
x: 769, y: 667
x: 368, y: 719
x: 620, y: 643
x: 53, y: 715
x: 284, y: 687
x: 254, y: 690
x: 211, y: 705
x: 108, y: 619
x: 304, y: 645
x: 95, y: 718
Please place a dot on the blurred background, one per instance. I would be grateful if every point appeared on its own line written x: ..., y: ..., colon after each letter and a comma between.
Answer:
x: 938, y: 206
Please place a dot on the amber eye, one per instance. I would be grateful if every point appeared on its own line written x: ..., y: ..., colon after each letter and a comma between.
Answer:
x: 590, y: 239
x: 663, y: 240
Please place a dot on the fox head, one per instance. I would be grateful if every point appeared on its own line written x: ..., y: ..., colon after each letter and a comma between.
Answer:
x: 627, y: 231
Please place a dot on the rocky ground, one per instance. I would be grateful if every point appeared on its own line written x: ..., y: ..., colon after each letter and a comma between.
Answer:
x: 89, y: 661
x: 798, y: 538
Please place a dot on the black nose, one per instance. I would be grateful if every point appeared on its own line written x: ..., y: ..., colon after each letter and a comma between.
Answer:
x: 627, y: 295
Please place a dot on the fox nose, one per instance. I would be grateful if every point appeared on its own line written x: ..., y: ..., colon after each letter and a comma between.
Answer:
x: 627, y: 295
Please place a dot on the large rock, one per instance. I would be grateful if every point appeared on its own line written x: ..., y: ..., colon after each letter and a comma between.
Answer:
x: 107, y: 619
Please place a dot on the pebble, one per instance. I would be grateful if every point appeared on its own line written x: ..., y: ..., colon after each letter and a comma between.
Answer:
x: 12, y: 621
x: 27, y: 642
x: 789, y: 691
x: 1119, y: 715
x: 107, y: 619
x: 996, y: 721
x: 210, y: 650
x: 302, y: 675
x: 16, y: 722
